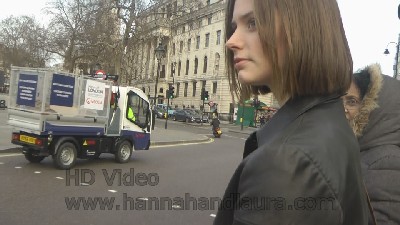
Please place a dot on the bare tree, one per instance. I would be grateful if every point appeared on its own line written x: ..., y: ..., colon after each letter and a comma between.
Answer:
x: 23, y: 41
x: 81, y: 31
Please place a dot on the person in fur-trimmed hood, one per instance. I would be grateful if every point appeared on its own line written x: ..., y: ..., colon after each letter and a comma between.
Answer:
x: 372, y: 106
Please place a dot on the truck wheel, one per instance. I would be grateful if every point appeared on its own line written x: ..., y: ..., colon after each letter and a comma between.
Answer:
x: 65, y: 158
x: 34, y: 158
x: 124, y: 152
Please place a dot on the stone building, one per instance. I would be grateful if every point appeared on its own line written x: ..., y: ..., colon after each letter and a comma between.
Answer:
x: 192, y: 34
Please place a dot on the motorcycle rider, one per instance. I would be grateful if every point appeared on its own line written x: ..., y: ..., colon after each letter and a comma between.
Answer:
x: 215, y: 123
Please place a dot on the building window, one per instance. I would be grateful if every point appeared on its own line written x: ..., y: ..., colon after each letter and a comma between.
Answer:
x: 203, y: 85
x: 205, y: 65
x: 208, y: 2
x: 172, y: 70
x: 173, y: 49
x: 162, y: 72
x: 207, y: 40
x: 194, y: 88
x: 169, y: 11
x: 178, y: 85
x: 197, y: 42
x: 216, y: 64
x: 196, y: 65
x: 183, y: 29
x: 189, y: 43
x: 199, y: 23
x: 218, y: 37
x: 209, y: 19
x: 214, y: 87
x: 187, y: 67
x: 185, y: 90
x: 180, y: 46
x: 190, y: 25
x: 179, y: 68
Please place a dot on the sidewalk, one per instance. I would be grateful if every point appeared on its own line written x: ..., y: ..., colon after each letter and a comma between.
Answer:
x: 159, y: 137
x: 226, y: 126
x: 237, y: 128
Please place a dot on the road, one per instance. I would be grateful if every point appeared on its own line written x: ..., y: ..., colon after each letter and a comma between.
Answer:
x: 165, y: 185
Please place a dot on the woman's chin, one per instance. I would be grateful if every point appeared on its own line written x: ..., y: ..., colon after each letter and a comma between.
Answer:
x: 249, y: 82
x: 243, y: 79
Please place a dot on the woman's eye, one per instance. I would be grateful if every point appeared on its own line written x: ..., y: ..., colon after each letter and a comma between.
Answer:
x: 252, y: 24
x: 352, y: 102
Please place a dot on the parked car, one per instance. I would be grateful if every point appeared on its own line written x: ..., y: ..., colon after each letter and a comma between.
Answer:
x: 160, y: 113
x: 164, y: 106
x: 186, y: 116
x: 197, y: 113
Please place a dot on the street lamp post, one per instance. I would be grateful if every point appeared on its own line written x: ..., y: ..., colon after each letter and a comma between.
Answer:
x: 386, y: 52
x: 168, y: 95
x: 160, y: 53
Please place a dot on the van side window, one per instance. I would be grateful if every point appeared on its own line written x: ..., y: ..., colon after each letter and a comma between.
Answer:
x: 137, y: 110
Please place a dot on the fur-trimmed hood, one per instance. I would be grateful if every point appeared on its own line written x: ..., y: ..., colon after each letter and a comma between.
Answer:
x: 378, y: 122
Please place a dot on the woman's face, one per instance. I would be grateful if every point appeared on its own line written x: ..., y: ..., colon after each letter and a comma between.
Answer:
x: 252, y: 66
x: 352, y: 102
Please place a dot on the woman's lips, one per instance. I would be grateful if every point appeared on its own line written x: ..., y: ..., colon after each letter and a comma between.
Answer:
x: 239, y: 63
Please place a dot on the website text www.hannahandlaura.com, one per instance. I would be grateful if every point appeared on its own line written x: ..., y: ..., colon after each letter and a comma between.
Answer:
x: 188, y: 202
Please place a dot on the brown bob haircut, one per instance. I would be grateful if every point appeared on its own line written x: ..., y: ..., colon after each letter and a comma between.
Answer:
x: 317, y: 58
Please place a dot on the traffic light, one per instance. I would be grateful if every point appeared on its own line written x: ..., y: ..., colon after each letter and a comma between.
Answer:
x: 205, y: 95
x: 170, y: 91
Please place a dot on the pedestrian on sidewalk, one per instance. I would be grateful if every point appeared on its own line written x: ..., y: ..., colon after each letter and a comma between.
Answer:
x: 262, y: 120
x: 296, y: 49
x: 372, y: 106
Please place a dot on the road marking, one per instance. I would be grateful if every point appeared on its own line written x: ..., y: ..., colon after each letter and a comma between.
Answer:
x: 144, y: 199
x: 84, y: 184
x: 176, y: 207
x: 183, y: 144
x: 1, y: 163
x: 60, y: 178
x: 112, y: 191
x: 213, y: 215
x: 37, y: 172
x: 17, y: 167
x: 9, y: 155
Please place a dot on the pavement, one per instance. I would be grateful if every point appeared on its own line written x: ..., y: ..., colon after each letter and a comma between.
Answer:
x: 159, y: 137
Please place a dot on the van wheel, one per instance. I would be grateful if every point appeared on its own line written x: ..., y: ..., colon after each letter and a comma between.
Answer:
x: 124, y: 152
x: 65, y: 158
x: 34, y: 158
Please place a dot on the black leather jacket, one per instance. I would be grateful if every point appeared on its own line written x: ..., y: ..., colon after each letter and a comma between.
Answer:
x: 302, y: 167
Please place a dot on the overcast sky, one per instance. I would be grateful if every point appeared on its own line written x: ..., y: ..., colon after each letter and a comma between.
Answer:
x: 369, y: 24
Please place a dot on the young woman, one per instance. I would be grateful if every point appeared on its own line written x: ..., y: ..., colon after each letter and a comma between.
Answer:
x: 372, y: 106
x: 302, y: 167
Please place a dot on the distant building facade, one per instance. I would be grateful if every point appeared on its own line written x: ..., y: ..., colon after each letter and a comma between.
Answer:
x: 192, y: 33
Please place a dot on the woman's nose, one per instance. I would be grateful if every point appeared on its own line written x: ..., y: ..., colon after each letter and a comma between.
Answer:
x: 233, y: 41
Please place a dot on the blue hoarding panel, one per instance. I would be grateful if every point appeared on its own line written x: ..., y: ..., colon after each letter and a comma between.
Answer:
x: 27, y: 85
x: 62, y: 90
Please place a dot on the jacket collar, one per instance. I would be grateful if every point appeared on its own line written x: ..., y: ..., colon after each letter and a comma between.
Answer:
x: 369, y: 102
x: 290, y: 111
